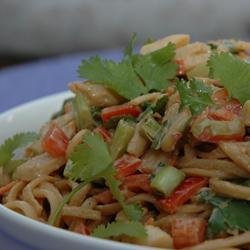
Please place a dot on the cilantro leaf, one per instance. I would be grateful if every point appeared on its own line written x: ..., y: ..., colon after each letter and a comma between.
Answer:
x: 86, y: 165
x: 135, y: 74
x: 216, y: 223
x: 195, y: 95
x: 156, y: 68
x: 8, y: 148
x: 233, y: 74
x: 91, y: 161
x: 118, y: 76
x: 155, y: 77
x: 163, y: 55
x: 132, y: 211
x: 129, y: 228
x: 228, y: 213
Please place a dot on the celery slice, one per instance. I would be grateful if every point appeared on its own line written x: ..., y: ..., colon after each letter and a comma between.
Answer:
x: 123, y: 134
x: 82, y: 112
x: 150, y: 127
x: 167, y: 179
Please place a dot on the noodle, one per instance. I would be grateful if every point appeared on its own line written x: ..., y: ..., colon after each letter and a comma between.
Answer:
x: 22, y: 206
x: 229, y: 189
x: 15, y: 191
x: 81, y: 212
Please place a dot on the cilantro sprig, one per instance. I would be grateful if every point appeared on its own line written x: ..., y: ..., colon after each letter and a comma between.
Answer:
x: 8, y: 148
x: 135, y: 74
x: 195, y: 95
x: 118, y: 76
x: 228, y: 214
x: 233, y: 73
x: 129, y: 228
x: 91, y: 161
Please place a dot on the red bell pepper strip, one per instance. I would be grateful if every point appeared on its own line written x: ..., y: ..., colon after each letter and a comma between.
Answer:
x: 103, y: 132
x: 120, y: 110
x: 182, y: 193
x: 127, y: 165
x: 207, y: 137
x: 137, y: 183
x: 55, y: 142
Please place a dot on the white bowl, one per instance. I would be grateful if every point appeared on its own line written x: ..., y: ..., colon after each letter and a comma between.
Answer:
x: 28, y: 232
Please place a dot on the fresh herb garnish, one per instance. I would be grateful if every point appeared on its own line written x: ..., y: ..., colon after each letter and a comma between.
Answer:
x: 92, y: 161
x: 129, y: 228
x: 228, y: 214
x: 118, y: 76
x: 8, y: 148
x: 195, y: 95
x: 233, y: 74
x: 135, y: 74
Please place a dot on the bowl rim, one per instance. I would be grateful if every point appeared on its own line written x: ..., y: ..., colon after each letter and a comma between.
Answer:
x: 47, y: 229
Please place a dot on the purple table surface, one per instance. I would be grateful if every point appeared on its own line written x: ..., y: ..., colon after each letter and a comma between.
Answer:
x: 30, y: 81
x: 23, y: 83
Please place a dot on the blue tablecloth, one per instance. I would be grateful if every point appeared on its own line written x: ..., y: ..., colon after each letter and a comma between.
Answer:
x: 29, y: 81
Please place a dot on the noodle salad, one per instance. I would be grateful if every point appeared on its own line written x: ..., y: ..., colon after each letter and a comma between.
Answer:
x: 153, y: 150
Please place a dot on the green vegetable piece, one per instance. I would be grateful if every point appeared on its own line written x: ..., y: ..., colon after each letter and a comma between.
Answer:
x: 233, y: 214
x: 118, y: 228
x: 123, y: 134
x: 82, y: 112
x: 91, y: 161
x: 118, y: 76
x: 167, y: 179
x: 156, y: 68
x: 171, y: 131
x: 86, y: 165
x: 135, y: 74
x: 163, y: 55
x: 216, y: 223
x: 132, y: 211
x: 150, y: 127
x: 233, y: 73
x: 8, y: 148
x: 195, y: 95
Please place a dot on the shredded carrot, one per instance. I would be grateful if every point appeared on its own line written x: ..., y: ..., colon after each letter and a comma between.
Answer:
x: 6, y: 188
